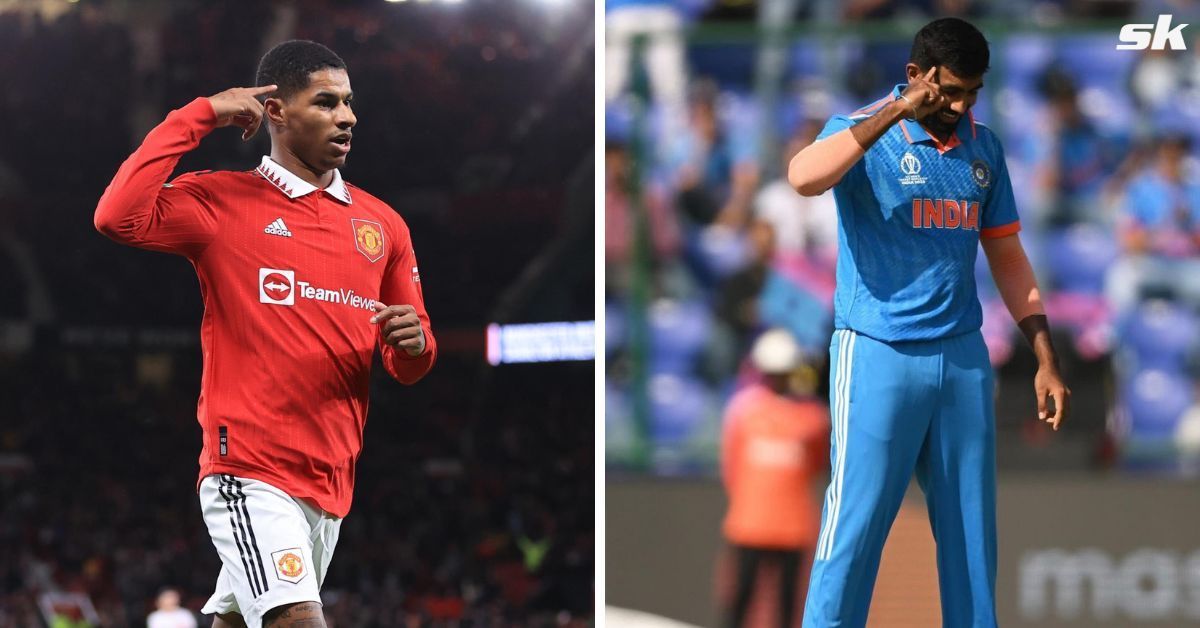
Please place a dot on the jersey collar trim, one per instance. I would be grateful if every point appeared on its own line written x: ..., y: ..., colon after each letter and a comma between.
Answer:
x: 295, y: 187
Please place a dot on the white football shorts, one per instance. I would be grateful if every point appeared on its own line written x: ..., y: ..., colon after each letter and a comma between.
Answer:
x: 275, y: 550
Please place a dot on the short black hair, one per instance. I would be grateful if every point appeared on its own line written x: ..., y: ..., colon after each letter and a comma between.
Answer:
x: 951, y: 43
x: 289, y: 64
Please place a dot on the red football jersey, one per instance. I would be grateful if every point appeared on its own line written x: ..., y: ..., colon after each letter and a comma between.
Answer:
x: 288, y: 273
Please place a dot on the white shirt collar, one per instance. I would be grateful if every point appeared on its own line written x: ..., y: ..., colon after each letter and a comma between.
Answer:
x: 294, y: 186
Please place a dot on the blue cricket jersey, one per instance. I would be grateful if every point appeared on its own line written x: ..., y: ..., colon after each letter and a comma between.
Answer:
x: 910, y: 215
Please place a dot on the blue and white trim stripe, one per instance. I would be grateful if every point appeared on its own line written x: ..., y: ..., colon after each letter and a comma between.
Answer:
x: 841, y: 416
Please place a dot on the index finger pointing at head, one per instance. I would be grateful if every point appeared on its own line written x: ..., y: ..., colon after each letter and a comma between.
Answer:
x: 263, y: 89
x: 929, y: 75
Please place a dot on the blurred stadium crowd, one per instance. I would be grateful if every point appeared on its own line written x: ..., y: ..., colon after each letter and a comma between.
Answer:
x: 707, y: 245
x: 474, y: 503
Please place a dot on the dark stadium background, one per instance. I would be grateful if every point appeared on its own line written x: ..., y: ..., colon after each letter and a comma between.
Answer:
x: 476, y: 123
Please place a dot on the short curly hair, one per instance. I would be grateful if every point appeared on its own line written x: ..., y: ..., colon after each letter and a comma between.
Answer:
x: 289, y: 65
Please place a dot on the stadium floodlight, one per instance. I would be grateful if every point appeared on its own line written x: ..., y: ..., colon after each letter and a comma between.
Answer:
x: 541, y: 342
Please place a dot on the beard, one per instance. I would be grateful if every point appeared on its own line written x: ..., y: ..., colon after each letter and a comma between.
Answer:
x: 940, y: 127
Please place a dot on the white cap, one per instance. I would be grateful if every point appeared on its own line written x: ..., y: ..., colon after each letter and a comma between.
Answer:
x: 776, y: 352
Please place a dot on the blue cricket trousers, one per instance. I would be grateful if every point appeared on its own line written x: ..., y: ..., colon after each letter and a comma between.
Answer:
x: 899, y: 408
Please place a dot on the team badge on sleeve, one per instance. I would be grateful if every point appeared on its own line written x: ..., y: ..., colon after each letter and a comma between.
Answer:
x: 368, y: 238
x: 289, y: 565
x: 980, y: 173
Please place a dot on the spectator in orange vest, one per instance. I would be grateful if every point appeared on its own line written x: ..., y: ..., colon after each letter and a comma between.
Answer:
x: 776, y: 439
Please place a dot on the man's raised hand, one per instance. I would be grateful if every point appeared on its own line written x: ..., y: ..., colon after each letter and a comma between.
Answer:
x: 240, y: 107
x: 923, y: 95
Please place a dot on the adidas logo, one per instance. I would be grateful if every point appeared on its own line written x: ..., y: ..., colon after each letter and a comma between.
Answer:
x: 278, y: 228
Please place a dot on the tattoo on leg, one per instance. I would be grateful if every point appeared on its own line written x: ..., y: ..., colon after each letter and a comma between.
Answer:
x: 300, y: 615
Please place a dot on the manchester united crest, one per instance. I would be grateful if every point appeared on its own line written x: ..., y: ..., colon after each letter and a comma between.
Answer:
x: 289, y: 565
x: 368, y: 238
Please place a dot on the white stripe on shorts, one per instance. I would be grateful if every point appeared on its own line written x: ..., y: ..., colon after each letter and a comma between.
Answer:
x: 841, y: 416
x: 835, y: 401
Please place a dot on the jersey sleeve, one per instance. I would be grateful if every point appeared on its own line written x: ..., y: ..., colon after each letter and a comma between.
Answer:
x: 402, y: 286
x: 858, y: 172
x: 999, y: 216
x: 141, y: 209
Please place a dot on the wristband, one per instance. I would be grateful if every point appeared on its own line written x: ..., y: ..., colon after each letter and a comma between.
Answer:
x: 910, y: 105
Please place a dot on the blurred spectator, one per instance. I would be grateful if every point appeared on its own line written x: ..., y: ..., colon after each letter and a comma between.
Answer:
x: 773, y: 446
x: 713, y: 168
x: 1159, y: 230
x: 69, y: 618
x: 805, y: 227
x: 738, y: 295
x: 168, y: 613
x: 1072, y: 158
x: 621, y: 215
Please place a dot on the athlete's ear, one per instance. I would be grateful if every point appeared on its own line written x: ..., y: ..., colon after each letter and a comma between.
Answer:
x: 913, y: 72
x: 273, y: 111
